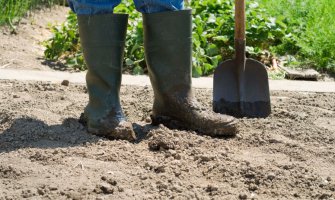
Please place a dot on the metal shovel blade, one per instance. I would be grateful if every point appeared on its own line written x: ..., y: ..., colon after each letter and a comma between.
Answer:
x: 241, y: 86
x: 241, y: 93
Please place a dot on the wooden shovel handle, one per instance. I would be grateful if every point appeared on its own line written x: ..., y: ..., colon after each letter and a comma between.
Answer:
x: 240, y: 19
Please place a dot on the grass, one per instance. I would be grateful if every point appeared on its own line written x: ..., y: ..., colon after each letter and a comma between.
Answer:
x: 311, y: 31
x: 12, y: 11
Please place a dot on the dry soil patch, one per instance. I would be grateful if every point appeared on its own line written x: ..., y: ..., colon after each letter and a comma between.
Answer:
x: 46, y: 154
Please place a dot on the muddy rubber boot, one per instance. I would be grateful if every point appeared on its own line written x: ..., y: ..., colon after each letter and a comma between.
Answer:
x: 168, y: 50
x: 103, y: 39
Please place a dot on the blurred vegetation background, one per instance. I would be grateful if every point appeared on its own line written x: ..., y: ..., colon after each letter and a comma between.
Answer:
x: 11, y: 11
x: 300, y: 33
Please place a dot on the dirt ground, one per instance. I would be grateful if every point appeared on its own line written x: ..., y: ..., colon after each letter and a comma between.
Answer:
x: 46, y: 154
x: 22, y: 48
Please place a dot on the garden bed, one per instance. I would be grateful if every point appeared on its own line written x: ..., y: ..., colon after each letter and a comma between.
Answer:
x: 46, y: 154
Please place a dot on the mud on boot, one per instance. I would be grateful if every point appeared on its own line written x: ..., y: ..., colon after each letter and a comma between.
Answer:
x: 110, y: 127
x: 168, y: 52
x: 192, y: 116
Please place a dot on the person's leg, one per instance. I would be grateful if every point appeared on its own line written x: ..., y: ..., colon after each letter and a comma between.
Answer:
x: 168, y: 52
x: 102, y: 36
x: 93, y: 7
x: 154, y: 6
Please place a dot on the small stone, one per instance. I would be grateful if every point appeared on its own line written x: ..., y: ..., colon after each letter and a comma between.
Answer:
x: 74, y: 195
x: 112, y: 182
x: 205, y: 158
x: 53, y: 188
x: 177, y: 156
x: 329, y: 178
x: 211, y: 188
x: 65, y: 82
x: 234, y: 185
x: 27, y: 194
x: 50, y: 88
x: 271, y: 176
x: 40, y: 88
x: 16, y: 96
x: 177, y: 189
x: 162, y: 186
x: 243, y: 196
x: 150, y: 165
x: 62, y: 98
x: 177, y: 173
x: 296, y: 195
x: 40, y: 191
x: 120, y: 189
x: 143, y: 177
x: 160, y: 169
x: 105, y: 189
x: 253, y: 187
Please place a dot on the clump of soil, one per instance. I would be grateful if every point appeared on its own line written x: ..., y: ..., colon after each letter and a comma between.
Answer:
x: 45, y: 153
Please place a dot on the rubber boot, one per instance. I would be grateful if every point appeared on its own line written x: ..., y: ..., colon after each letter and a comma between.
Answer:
x: 103, y: 39
x: 168, y: 51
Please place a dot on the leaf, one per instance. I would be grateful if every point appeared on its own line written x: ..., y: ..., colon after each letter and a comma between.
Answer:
x: 222, y: 38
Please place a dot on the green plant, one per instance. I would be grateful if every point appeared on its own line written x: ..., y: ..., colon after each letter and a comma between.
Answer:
x: 310, y: 32
x: 213, y: 33
x: 134, y: 52
x: 65, y: 44
x: 12, y: 11
x: 213, y: 39
x: 280, y: 27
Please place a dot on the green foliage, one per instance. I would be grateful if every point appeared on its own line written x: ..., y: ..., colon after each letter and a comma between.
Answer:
x: 310, y: 33
x: 12, y: 10
x: 134, y: 52
x: 65, y: 44
x: 282, y: 27
x: 213, y: 38
x: 213, y: 33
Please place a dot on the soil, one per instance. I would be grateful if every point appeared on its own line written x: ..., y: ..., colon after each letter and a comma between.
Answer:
x: 21, y: 48
x: 45, y: 153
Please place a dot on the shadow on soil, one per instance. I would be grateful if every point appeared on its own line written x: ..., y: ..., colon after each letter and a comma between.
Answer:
x: 55, y: 65
x: 27, y: 132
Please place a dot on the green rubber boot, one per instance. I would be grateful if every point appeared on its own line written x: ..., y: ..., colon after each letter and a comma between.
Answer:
x: 103, y: 39
x: 168, y: 50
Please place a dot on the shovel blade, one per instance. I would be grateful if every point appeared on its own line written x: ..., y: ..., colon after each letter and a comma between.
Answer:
x: 241, y: 95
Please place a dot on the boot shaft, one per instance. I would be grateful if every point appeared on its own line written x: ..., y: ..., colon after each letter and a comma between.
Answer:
x: 168, y: 50
x: 102, y: 30
x: 103, y: 40
x: 101, y: 36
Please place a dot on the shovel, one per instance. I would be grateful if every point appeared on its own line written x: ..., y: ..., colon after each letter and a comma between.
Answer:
x: 241, y: 86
